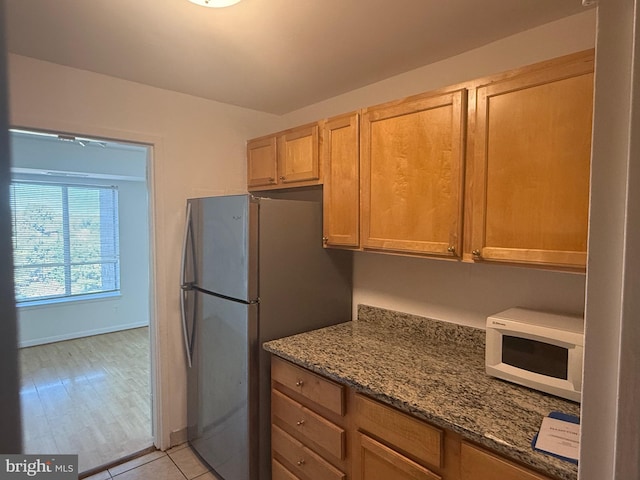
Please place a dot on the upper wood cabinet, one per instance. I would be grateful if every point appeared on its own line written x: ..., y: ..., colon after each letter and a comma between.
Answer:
x: 513, y: 149
x: 341, y: 199
x: 531, y: 165
x: 262, y: 162
x: 287, y: 159
x: 411, y: 162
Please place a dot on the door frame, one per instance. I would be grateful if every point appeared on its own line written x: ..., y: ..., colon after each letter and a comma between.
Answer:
x: 158, y: 338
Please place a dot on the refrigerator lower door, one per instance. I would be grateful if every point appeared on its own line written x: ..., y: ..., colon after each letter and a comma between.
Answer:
x: 222, y: 387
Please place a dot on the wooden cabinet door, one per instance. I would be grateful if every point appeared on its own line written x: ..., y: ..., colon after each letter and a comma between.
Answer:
x: 411, y: 165
x: 341, y: 196
x: 477, y: 464
x: 375, y: 461
x: 531, y: 166
x: 298, y: 155
x: 262, y: 169
x: 422, y: 441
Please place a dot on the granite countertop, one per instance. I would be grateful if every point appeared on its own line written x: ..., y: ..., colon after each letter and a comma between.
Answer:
x: 433, y: 370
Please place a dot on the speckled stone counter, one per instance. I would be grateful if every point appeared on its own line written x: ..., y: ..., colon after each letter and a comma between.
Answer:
x: 435, y: 371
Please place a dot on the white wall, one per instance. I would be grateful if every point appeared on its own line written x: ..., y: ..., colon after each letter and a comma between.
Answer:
x: 198, y: 149
x: 453, y: 291
x: 83, y: 317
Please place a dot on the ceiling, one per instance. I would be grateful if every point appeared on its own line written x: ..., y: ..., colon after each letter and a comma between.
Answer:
x: 270, y: 55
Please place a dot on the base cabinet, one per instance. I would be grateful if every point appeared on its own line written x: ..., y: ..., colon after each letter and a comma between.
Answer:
x: 305, y: 463
x: 376, y: 461
x: 479, y: 464
x: 308, y: 425
x: 279, y: 472
x: 322, y: 430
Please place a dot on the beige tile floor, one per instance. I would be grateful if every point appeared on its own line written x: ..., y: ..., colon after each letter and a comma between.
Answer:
x: 178, y: 463
x: 88, y: 396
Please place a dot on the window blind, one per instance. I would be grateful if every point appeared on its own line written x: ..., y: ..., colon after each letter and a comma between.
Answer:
x: 65, y: 240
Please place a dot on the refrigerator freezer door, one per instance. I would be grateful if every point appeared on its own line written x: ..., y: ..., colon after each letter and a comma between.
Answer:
x: 222, y: 389
x: 225, y: 238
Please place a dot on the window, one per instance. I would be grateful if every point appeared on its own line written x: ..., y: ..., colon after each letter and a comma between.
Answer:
x: 65, y: 240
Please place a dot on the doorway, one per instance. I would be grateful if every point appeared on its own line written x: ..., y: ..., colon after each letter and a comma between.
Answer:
x: 80, y: 210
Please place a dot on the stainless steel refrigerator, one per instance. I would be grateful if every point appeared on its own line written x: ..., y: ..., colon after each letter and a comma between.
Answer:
x: 253, y: 269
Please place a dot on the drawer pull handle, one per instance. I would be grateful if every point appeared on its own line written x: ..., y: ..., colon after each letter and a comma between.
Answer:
x: 299, y: 383
x: 300, y: 462
x: 300, y: 423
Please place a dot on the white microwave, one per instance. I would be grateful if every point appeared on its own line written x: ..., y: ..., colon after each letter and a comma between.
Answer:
x: 539, y: 350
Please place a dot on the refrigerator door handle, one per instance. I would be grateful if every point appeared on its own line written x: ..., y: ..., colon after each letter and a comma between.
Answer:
x: 185, y: 287
x: 185, y: 333
x: 185, y: 243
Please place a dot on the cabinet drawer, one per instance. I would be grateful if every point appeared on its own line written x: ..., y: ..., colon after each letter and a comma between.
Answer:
x: 302, y: 460
x: 279, y: 472
x: 379, y: 462
x: 314, y: 387
x: 308, y: 424
x: 477, y: 464
x: 412, y: 436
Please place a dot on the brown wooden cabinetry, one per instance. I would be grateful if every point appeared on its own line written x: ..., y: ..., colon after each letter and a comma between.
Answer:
x: 262, y: 162
x: 412, y: 154
x: 392, y: 444
x: 531, y: 164
x: 376, y: 461
x: 286, y: 159
x: 308, y: 431
x: 322, y: 430
x: 513, y: 149
x: 479, y: 464
x: 341, y: 199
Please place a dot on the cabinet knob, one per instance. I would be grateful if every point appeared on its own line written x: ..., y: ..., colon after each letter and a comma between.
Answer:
x: 300, y: 423
x: 272, y: 180
x: 282, y: 177
x: 475, y: 253
x: 325, y: 239
x: 451, y: 249
x: 300, y: 462
x: 299, y: 383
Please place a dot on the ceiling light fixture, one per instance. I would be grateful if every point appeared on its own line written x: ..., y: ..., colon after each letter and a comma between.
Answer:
x: 215, y: 3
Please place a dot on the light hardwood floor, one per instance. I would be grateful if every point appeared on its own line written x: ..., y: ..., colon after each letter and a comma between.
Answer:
x: 89, y: 396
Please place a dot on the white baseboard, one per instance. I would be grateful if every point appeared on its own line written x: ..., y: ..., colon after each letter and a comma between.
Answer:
x: 178, y: 437
x: 85, y: 333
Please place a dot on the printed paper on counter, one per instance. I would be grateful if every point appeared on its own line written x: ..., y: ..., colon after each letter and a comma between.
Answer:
x: 559, y: 437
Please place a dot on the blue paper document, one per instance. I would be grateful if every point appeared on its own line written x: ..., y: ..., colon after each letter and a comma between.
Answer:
x: 560, y: 438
